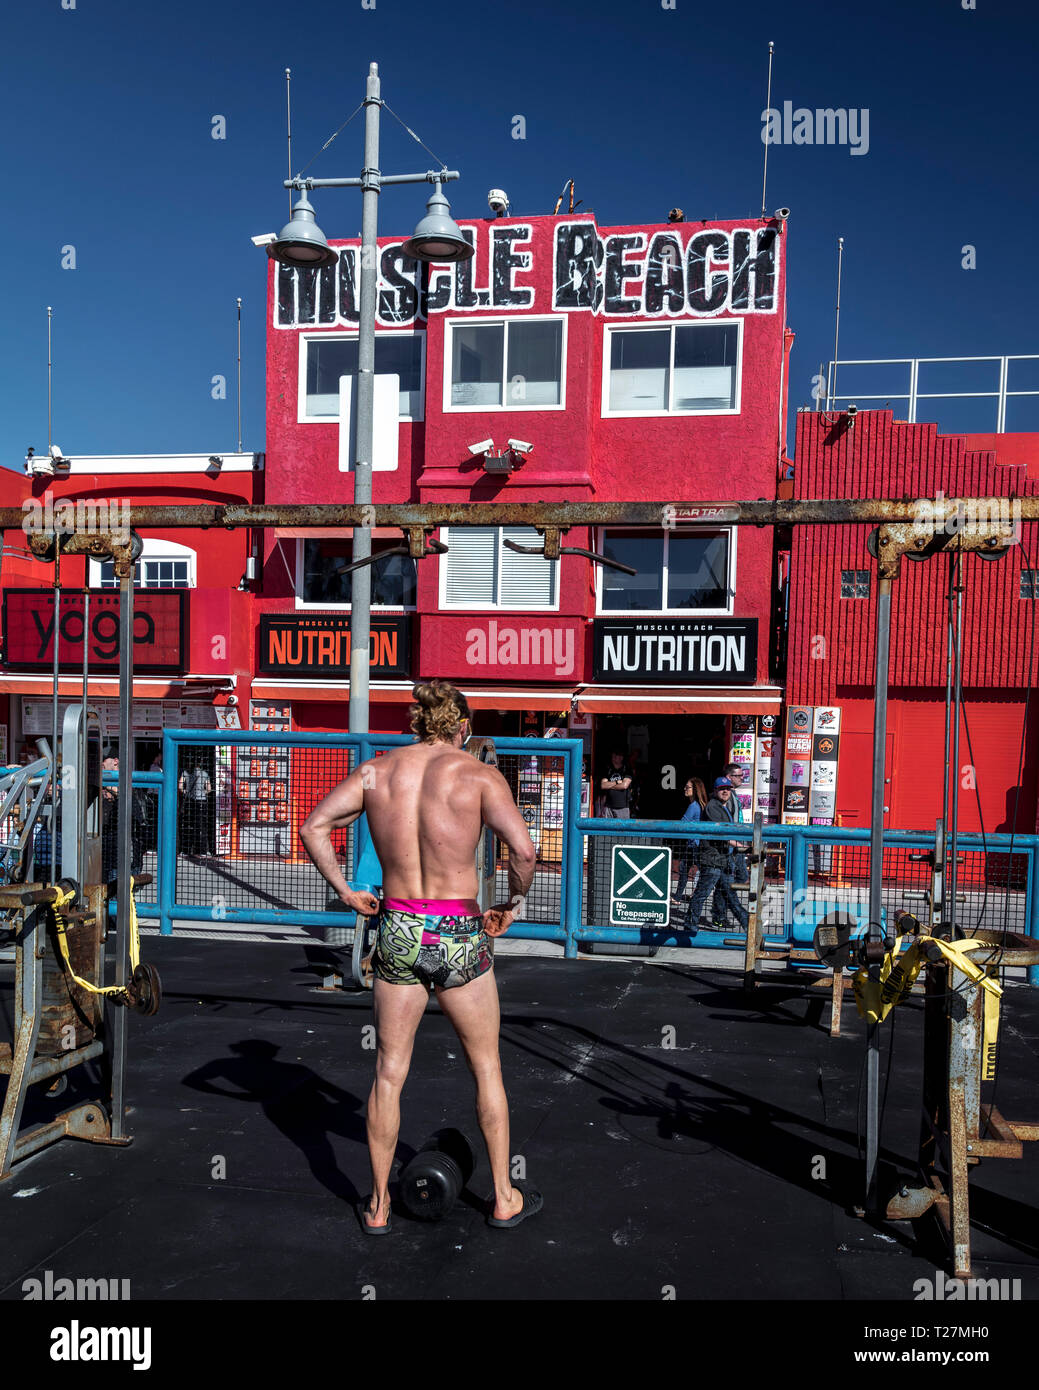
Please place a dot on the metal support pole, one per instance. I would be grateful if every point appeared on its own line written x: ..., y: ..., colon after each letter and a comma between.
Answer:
x: 364, y: 402
x: 117, y: 1017
x: 875, y: 931
x: 952, y: 876
x: 55, y: 774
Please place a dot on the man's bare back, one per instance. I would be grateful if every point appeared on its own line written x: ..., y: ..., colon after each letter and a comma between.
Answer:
x: 426, y: 805
x: 425, y: 809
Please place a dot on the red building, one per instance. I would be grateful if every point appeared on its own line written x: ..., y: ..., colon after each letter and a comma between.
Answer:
x: 831, y: 638
x: 631, y: 363
x: 193, y: 648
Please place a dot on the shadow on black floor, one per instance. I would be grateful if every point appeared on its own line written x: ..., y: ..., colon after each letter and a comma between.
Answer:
x: 297, y: 1101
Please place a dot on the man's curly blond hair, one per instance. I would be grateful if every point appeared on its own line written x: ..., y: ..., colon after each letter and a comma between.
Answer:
x: 439, y: 709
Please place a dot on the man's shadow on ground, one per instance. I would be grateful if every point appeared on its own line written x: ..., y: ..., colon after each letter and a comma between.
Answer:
x: 303, y: 1106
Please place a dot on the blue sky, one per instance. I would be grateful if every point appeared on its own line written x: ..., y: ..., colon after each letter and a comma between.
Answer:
x: 108, y: 110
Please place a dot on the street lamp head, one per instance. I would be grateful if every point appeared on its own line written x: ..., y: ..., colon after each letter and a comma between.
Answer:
x: 301, y: 242
x: 437, y: 236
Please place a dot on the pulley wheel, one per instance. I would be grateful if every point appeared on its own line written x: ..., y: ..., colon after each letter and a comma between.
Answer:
x: 831, y: 940
x: 146, y: 990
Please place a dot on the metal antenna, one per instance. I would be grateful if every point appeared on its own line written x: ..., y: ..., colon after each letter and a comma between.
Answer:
x: 239, y: 375
x: 768, y: 107
x: 288, y: 124
x: 831, y: 398
x: 50, y: 312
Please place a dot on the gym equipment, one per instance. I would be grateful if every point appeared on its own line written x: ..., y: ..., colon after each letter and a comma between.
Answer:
x: 431, y: 1183
x: 64, y: 1015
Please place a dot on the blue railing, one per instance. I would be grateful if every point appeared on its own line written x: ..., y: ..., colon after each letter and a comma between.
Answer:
x: 803, y: 897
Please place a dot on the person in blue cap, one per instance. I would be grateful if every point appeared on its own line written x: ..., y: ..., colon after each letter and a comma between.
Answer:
x: 716, y: 866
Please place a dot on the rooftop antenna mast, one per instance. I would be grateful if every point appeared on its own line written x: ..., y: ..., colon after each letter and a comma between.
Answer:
x: 288, y: 125
x: 831, y: 395
x: 239, y: 374
x: 50, y: 313
x: 768, y: 107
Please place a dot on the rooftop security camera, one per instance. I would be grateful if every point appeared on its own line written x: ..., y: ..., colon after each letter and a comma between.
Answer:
x: 55, y: 452
x: 519, y: 447
x: 498, y: 201
x: 232, y: 700
x: 484, y: 447
x: 265, y: 239
x: 853, y: 410
x: 781, y: 214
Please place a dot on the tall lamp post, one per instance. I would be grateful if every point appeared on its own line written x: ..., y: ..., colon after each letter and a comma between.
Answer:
x: 301, y: 242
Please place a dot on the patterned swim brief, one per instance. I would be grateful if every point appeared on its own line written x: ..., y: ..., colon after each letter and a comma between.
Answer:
x: 412, y: 949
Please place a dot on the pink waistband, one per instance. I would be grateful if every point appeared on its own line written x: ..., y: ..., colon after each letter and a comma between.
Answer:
x: 435, y: 907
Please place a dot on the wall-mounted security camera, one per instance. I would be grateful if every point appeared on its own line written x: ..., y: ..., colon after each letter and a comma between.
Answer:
x: 852, y: 411
x: 519, y: 447
x: 781, y: 214
x: 484, y: 447
x: 265, y: 239
x: 232, y: 700
x: 498, y: 201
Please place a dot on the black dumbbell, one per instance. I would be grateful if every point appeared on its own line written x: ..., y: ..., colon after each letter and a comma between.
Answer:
x: 431, y: 1182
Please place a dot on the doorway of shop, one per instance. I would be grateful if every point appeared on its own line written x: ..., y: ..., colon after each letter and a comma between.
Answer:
x: 664, y: 751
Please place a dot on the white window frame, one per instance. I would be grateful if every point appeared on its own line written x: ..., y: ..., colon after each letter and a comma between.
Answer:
x: 692, y: 613
x: 302, y: 418
x: 155, y: 548
x: 341, y: 607
x: 507, y: 406
x: 498, y: 607
x: 663, y: 326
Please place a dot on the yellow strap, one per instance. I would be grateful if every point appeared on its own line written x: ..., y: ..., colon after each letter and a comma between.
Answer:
x: 64, y: 898
x: 875, y: 999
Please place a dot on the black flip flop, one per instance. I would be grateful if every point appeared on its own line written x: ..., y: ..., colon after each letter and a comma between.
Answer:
x: 364, y: 1210
x: 532, y: 1204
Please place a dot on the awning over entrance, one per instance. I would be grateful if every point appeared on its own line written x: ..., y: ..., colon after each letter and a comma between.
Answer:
x: 144, y: 687
x: 675, y: 699
x: 396, y: 692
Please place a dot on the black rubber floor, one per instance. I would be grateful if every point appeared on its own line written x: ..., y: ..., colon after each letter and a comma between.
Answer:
x: 690, y: 1141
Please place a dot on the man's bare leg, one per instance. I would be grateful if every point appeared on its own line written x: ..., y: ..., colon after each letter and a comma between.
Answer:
x: 398, y: 1010
x: 475, y: 1016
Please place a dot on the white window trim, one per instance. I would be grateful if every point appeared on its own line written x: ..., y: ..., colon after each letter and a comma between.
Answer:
x: 155, y: 548
x: 507, y: 406
x: 692, y: 613
x: 490, y: 607
x: 667, y: 325
x: 340, y: 607
x: 302, y: 418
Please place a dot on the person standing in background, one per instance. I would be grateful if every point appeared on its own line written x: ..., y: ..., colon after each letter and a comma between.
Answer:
x: 688, y: 867
x: 616, y: 788
x: 735, y: 773
x: 715, y: 866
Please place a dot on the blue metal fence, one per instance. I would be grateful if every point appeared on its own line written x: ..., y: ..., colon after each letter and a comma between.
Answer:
x: 810, y: 869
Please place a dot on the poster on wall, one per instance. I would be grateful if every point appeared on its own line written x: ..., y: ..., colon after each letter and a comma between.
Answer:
x: 797, y: 764
x: 827, y: 720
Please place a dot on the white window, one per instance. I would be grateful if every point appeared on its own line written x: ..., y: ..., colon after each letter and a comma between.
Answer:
x: 673, y: 369
x: 505, y: 364
x: 480, y: 571
x: 325, y: 357
x: 684, y: 572
x: 163, y: 565
x: 322, y: 583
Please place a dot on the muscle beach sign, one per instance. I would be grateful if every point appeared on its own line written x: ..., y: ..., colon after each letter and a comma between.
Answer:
x: 679, y: 272
x: 684, y: 651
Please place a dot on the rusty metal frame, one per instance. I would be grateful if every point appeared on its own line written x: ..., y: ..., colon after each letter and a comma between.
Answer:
x: 950, y: 1138
x: 560, y: 516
